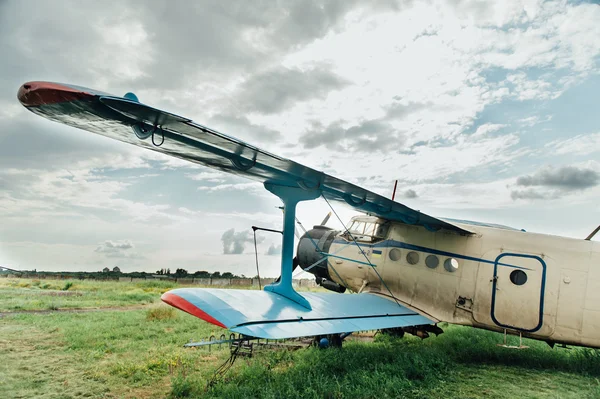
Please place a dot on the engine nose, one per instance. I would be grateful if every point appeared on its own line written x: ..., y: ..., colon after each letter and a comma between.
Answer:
x: 310, y: 251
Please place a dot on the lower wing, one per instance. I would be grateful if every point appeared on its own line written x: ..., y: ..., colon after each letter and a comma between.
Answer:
x: 264, y: 314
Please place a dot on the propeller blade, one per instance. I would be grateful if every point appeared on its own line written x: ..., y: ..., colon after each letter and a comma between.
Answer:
x: 324, y: 222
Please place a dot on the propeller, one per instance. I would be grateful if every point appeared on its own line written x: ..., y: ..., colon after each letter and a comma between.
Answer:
x: 295, y: 261
x: 324, y: 222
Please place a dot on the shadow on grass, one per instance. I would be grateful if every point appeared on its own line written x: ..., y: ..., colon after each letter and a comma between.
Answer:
x: 387, y: 368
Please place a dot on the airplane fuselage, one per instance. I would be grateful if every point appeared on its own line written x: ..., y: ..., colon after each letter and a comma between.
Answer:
x: 542, y: 286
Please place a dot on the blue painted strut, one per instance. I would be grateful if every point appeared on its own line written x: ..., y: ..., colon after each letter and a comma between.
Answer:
x: 290, y: 197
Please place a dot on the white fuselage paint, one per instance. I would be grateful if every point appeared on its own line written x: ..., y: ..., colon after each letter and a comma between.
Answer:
x: 563, y: 279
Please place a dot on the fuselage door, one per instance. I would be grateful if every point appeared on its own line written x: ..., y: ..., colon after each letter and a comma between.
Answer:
x: 518, y: 291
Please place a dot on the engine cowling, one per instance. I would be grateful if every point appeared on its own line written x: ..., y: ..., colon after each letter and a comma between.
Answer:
x: 310, y: 256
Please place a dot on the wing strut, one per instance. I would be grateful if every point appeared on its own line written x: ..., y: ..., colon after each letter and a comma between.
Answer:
x: 290, y: 197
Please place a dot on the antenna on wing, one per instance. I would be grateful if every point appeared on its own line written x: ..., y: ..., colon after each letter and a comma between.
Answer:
x: 394, y: 192
x: 592, y: 234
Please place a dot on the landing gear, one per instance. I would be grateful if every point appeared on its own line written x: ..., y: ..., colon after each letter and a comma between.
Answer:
x: 418, y: 331
x: 329, y: 341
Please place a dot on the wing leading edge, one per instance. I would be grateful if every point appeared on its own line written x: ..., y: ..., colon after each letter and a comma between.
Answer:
x: 265, y: 314
x: 125, y: 119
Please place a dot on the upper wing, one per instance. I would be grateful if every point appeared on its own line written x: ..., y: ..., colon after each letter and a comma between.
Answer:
x: 264, y: 314
x: 125, y: 119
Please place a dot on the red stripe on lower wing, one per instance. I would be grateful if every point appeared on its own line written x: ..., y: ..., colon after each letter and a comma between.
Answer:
x: 180, y: 303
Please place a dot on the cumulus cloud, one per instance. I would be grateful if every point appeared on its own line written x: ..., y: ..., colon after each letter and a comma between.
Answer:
x: 279, y: 88
x: 234, y: 243
x: 410, y: 193
x: 552, y: 183
x: 367, y: 136
x: 566, y: 177
x: 274, y: 250
x: 241, y: 127
x: 117, y: 249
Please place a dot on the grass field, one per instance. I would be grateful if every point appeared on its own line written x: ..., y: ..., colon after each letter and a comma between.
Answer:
x: 128, y: 352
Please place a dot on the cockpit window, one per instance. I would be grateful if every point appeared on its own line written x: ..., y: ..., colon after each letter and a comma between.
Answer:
x: 357, y: 227
x: 367, y: 231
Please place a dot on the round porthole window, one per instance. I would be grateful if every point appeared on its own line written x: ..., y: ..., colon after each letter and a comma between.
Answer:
x: 432, y: 261
x: 518, y: 277
x: 395, y: 254
x: 451, y: 264
x: 412, y: 257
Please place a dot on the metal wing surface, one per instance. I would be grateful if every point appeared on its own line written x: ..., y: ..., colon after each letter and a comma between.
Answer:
x: 125, y: 119
x: 264, y: 314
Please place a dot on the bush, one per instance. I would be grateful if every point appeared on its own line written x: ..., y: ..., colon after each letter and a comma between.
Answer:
x: 67, y: 285
x: 160, y: 313
x: 182, y: 387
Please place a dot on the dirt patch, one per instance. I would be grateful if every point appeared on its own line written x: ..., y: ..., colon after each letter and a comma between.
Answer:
x: 75, y: 310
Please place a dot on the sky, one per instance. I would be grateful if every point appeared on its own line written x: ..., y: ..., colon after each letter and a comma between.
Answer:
x: 483, y: 111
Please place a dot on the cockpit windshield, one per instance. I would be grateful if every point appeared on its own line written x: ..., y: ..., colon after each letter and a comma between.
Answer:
x: 367, y: 231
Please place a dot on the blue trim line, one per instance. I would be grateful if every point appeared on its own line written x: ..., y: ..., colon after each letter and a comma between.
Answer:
x: 400, y: 244
x: 348, y: 259
x: 542, y: 290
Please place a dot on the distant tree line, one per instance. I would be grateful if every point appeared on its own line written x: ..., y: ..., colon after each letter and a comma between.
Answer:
x: 179, y: 273
x: 199, y: 274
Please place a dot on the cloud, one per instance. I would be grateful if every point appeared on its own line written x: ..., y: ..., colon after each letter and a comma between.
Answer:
x: 209, y: 177
x: 488, y: 128
x: 251, y: 187
x: 241, y: 127
x: 410, y: 193
x: 234, y: 243
x: 274, y: 250
x: 566, y: 177
x: 583, y: 144
x: 279, y: 88
x: 372, y: 93
x: 366, y: 136
x: 552, y: 183
x: 531, y: 195
x: 117, y: 249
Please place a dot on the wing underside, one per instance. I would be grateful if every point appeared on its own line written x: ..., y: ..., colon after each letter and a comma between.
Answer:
x: 129, y: 121
x: 265, y: 314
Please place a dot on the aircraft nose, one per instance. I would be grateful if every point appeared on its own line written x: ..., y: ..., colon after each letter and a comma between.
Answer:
x: 33, y: 94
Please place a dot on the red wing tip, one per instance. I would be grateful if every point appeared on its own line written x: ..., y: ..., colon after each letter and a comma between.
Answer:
x: 188, y: 307
x: 36, y: 93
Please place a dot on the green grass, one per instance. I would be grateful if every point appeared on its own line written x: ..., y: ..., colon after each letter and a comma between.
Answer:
x: 138, y: 353
x: 463, y: 363
x: 27, y: 294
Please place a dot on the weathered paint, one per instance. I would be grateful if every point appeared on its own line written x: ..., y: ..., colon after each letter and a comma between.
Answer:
x: 560, y: 302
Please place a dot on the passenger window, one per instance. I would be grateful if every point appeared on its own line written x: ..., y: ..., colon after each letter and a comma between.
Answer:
x: 381, y: 230
x: 518, y: 277
x: 412, y: 258
x: 451, y: 265
x: 432, y: 261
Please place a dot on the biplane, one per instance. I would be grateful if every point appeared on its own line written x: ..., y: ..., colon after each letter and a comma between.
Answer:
x: 407, y: 270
